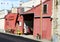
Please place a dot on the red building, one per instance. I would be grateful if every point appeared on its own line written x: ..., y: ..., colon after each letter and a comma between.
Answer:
x: 31, y: 19
x: 10, y: 20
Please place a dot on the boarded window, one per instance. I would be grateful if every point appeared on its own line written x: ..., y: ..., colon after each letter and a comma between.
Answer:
x: 44, y: 9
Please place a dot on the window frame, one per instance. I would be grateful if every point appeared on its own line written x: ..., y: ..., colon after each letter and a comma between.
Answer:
x: 46, y: 9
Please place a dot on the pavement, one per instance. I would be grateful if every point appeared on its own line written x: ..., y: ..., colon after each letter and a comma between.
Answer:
x: 28, y: 37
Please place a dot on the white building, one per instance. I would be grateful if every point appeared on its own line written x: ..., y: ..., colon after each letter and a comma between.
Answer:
x: 58, y: 16
x: 56, y: 20
x: 2, y: 20
x: 26, y: 5
x: 14, y: 10
x: 30, y: 4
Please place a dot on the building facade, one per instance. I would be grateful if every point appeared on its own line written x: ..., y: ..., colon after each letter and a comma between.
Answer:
x: 2, y: 20
x: 56, y: 19
x: 46, y: 19
x: 31, y: 20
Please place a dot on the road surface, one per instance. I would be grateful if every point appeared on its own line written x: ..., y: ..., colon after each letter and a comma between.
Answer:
x: 12, y: 38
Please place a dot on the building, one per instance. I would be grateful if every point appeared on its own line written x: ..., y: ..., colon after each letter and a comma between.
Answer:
x: 30, y: 4
x: 10, y: 21
x: 34, y: 15
x: 32, y: 19
x: 56, y: 19
x: 2, y: 20
x: 58, y: 9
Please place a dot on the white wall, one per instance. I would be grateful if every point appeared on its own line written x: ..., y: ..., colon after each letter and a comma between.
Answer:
x: 58, y: 16
x: 28, y: 5
x: 2, y: 20
x: 2, y: 25
x: 3, y: 13
x: 14, y: 10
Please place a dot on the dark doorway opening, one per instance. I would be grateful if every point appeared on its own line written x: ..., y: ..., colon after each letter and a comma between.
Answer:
x: 28, y: 23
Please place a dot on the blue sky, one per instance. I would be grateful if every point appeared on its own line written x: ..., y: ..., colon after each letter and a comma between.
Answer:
x: 7, y: 4
x: 15, y: 0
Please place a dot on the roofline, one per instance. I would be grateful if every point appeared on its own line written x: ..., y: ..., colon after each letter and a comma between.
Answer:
x: 37, y: 5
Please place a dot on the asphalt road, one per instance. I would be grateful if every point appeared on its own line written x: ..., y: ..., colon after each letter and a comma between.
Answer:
x: 11, y: 38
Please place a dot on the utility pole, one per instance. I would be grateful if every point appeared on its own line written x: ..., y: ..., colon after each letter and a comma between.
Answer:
x: 41, y: 19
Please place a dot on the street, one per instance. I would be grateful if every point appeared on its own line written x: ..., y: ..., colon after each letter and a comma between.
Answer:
x: 11, y: 38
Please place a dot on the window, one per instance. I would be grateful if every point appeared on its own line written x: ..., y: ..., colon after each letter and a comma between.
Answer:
x: 45, y: 9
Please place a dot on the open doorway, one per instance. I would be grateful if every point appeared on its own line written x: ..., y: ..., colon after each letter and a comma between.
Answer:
x: 28, y: 23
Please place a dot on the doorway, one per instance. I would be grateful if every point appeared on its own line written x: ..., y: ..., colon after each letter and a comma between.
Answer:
x: 28, y: 23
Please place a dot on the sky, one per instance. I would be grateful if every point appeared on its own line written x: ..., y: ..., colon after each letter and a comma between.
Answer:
x: 7, y: 4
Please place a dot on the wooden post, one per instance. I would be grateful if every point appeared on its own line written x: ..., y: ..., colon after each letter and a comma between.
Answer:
x: 41, y: 19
